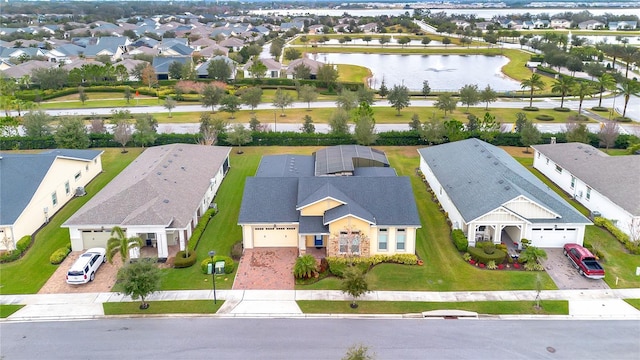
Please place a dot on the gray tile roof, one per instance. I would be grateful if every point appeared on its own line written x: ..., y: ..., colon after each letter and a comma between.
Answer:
x: 616, y: 177
x: 480, y: 177
x: 285, y: 165
x: 163, y: 186
x: 345, y: 158
x: 22, y: 174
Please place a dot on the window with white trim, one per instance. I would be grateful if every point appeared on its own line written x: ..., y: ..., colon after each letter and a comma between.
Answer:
x: 588, y: 193
x: 54, y: 198
x: 401, y: 239
x: 67, y: 188
x: 349, y: 242
x: 383, y: 238
x: 78, y: 176
x: 573, y: 182
x: 558, y: 169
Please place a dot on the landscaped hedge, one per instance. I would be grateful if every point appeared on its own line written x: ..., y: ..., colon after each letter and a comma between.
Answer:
x: 21, y: 246
x: 544, y: 117
x: 479, y: 255
x: 633, y: 247
x: 460, y: 240
x: 229, y: 264
x: 337, y: 265
x: 182, y: 261
x: 197, y: 232
x: 59, y: 255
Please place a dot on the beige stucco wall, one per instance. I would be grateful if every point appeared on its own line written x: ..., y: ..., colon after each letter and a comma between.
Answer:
x: 62, y: 170
x: 319, y: 208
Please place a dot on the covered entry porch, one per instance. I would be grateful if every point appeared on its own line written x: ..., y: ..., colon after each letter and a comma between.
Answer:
x: 313, y: 236
x: 495, y: 225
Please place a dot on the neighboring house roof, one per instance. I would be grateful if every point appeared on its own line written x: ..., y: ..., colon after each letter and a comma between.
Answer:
x: 480, y: 177
x: 338, y: 159
x: 310, y: 63
x: 285, y: 166
x: 26, y: 68
x: 616, y: 177
x: 22, y: 174
x: 232, y: 42
x: 161, y: 63
x: 203, y: 69
x: 163, y: 186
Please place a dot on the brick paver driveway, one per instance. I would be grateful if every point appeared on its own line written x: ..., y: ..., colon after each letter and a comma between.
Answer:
x: 266, y: 269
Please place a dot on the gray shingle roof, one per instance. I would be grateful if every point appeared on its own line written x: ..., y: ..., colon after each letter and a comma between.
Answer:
x: 269, y: 200
x: 163, y: 186
x: 480, y: 177
x: 285, y: 165
x: 312, y: 225
x: 616, y: 177
x: 22, y: 174
x: 344, y: 158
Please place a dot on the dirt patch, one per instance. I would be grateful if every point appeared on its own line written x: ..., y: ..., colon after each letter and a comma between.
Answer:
x: 266, y: 269
x: 104, y: 281
x: 517, y: 151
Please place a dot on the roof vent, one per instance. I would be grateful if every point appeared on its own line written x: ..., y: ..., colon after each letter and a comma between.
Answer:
x: 159, y: 173
x: 495, y: 163
x: 500, y: 181
x: 481, y: 150
x: 166, y: 201
x: 507, y: 187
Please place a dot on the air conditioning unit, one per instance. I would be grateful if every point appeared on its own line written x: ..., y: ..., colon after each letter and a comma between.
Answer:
x: 80, y: 191
x: 578, y: 194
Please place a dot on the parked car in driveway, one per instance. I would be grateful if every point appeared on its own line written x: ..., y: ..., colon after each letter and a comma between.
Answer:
x: 84, y: 269
x: 584, y: 261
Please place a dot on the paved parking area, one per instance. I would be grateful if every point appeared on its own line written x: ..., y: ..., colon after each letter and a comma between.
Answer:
x: 104, y: 281
x: 561, y: 270
x: 266, y: 269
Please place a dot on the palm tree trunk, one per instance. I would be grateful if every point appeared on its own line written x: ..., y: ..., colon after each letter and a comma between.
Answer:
x: 600, y: 101
x: 531, y: 98
x: 562, y: 101
x: 626, y: 101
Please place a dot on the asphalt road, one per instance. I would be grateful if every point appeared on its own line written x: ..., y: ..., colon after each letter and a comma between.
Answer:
x: 215, y: 338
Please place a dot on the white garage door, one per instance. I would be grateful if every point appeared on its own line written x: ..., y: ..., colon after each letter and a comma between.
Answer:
x: 92, y: 239
x: 275, y: 237
x: 553, y: 237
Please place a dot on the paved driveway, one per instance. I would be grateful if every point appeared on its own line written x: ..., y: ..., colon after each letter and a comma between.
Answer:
x: 104, y: 281
x: 266, y: 269
x: 561, y: 270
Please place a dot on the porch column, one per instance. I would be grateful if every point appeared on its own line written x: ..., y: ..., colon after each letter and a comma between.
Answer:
x: 498, y: 237
x: 302, y: 246
x: 181, y: 239
x: 134, y: 252
x: 163, y: 251
x: 471, y: 236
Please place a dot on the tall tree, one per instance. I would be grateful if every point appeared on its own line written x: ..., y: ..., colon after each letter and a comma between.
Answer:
x: 119, y: 243
x: 169, y: 104
x: 339, y: 122
x: 122, y: 132
x: 469, y: 95
x: 146, y: 129
x: 139, y: 280
x: 383, y: 91
x: 211, y: 95
x: 347, y: 99
x: 37, y: 124
x: 82, y: 95
x: 251, y: 96
x: 238, y: 136
x: 354, y: 284
x: 529, y: 135
x: 446, y: 102
x: 302, y: 71
x: 533, y: 83
x: 415, y: 123
x: 258, y: 69
x: 487, y: 96
x: 148, y: 76
x: 308, y: 94
x: 605, y: 82
x: 609, y: 132
x: 433, y: 131
x: 582, y: 89
x: 72, y: 134
x: 562, y: 86
x: 208, y: 132
x: 628, y: 88
x: 364, y: 132
x: 219, y: 70
x: 426, y: 89
x: 282, y: 99
x: 577, y: 132
x: 399, y: 97
x: 328, y: 75
x: 175, y: 70
x: 231, y: 104
x: 307, y: 126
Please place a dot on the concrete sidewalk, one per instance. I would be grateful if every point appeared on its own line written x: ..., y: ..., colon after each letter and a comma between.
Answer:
x: 590, y: 304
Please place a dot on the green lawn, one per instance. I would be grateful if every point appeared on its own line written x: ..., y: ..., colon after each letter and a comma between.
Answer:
x: 8, y: 310
x: 353, y: 73
x: 634, y: 302
x: 549, y: 307
x: 163, y: 307
x: 27, y: 275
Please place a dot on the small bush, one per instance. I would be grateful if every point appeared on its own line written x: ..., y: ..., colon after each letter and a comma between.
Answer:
x: 530, y: 108
x: 466, y: 257
x: 182, y: 261
x: 561, y: 109
x: 305, y: 267
x: 229, y: 265
x: 236, y: 251
x: 10, y: 256
x: 337, y: 268
x: 59, y: 255
x: 489, y: 249
x: 324, y: 265
x: 502, y: 247
x: 23, y: 244
x: 491, y: 265
x: 543, y: 117
x: 460, y: 240
x: 480, y: 256
x: 623, y: 119
x: 600, y: 108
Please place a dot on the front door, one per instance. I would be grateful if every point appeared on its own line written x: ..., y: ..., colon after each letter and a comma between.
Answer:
x: 318, y: 241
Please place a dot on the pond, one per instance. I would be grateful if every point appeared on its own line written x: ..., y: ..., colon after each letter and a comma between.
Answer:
x: 444, y: 72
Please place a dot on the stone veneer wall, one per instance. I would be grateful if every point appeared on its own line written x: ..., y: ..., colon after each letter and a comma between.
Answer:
x: 333, y: 246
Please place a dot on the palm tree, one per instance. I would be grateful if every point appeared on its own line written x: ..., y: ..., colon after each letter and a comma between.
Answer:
x: 628, y: 88
x: 120, y: 243
x: 534, y: 83
x: 562, y: 85
x: 532, y: 254
x: 606, y: 82
x: 629, y: 55
x: 582, y: 89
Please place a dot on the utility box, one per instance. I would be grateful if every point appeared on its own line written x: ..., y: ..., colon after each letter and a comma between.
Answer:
x: 219, y: 267
x: 209, y: 268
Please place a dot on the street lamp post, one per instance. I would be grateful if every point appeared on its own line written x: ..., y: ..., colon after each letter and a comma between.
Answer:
x: 275, y: 121
x: 213, y: 275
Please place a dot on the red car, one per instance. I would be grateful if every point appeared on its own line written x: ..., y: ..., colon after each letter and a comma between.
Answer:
x: 584, y: 261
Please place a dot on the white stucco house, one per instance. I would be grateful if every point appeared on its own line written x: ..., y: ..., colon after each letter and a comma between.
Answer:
x: 159, y: 197
x: 491, y: 197
x: 34, y: 187
x: 609, y: 186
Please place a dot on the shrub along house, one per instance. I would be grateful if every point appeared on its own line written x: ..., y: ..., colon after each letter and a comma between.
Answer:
x: 159, y: 197
x: 609, y: 186
x: 340, y: 201
x: 491, y: 197
x: 33, y: 187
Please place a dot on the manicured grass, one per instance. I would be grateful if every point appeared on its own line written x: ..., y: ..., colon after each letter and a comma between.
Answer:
x: 27, y: 275
x: 634, y: 302
x: 222, y: 231
x: 353, y: 73
x: 8, y: 310
x: 444, y: 269
x: 549, y: 307
x: 163, y: 307
x: 618, y: 262
x: 106, y: 103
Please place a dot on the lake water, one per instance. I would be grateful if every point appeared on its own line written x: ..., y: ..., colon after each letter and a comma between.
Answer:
x: 444, y: 72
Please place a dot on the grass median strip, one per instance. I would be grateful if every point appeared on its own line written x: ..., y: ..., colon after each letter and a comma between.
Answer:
x: 549, y: 307
x: 163, y: 307
x: 634, y: 302
x: 8, y: 310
